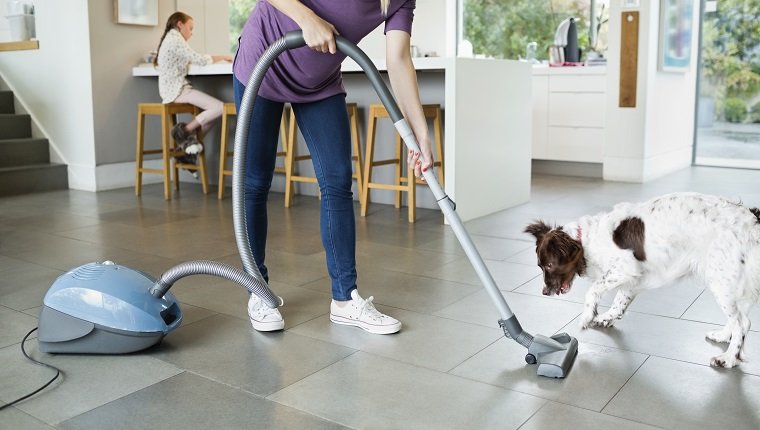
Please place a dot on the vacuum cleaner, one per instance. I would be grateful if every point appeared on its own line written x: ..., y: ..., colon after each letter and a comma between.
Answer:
x: 106, y: 308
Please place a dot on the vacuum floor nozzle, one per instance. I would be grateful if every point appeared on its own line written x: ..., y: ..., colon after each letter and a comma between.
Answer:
x: 554, y: 355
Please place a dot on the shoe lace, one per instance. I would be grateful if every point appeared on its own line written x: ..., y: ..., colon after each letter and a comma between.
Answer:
x: 367, y: 308
x: 261, y: 309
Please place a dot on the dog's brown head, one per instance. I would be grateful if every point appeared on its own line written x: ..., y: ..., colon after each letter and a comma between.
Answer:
x: 560, y: 257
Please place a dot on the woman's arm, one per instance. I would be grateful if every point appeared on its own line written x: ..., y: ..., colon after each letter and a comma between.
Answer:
x: 318, y: 33
x: 404, y: 82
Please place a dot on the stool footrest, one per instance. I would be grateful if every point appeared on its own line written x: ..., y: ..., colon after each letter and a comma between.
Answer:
x: 303, y: 179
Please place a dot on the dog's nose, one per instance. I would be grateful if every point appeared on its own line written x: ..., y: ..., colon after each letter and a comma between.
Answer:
x: 546, y: 291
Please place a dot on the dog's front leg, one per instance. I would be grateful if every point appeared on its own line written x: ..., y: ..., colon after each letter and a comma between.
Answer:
x: 608, y: 282
x: 593, y: 295
x: 623, y: 298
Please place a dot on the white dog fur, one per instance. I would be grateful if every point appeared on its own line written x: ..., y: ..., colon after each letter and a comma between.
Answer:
x: 656, y: 242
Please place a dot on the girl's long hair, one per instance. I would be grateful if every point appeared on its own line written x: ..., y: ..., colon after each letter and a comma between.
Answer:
x: 171, y: 23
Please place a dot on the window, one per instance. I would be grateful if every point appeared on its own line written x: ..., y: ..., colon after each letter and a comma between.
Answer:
x: 239, y: 11
x: 503, y: 29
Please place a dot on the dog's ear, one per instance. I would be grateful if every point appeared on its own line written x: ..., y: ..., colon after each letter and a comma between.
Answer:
x: 538, y: 229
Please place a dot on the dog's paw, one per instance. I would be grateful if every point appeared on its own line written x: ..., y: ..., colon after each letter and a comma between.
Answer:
x: 587, y: 320
x: 720, y: 336
x: 603, y: 321
x: 724, y: 360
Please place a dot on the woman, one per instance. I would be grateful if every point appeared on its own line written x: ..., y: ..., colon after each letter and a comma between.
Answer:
x: 173, y: 60
x: 310, y: 79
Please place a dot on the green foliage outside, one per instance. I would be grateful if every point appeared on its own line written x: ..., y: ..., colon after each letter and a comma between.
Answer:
x: 239, y: 11
x: 735, y: 110
x: 731, y: 56
x: 754, y: 113
x: 503, y: 28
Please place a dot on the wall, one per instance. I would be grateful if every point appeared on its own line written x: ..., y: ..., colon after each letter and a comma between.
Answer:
x: 656, y: 137
x: 428, y: 33
x: 114, y: 49
x: 211, y: 24
x: 52, y: 83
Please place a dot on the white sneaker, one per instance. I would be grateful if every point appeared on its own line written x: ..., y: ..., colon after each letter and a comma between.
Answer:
x: 362, y: 313
x: 264, y: 318
x: 194, y: 148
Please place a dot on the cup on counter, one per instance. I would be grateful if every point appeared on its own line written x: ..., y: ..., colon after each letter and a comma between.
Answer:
x: 556, y: 55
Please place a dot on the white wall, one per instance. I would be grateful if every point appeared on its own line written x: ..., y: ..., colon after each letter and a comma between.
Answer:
x: 428, y: 31
x: 53, y: 84
x: 656, y: 137
x: 211, y: 21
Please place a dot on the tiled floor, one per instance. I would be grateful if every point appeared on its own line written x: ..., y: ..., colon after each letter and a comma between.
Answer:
x: 449, y: 368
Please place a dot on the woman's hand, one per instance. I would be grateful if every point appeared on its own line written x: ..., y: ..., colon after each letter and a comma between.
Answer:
x: 413, y: 158
x: 318, y: 34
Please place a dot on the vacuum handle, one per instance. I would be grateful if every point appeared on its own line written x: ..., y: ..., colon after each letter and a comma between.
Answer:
x: 294, y: 39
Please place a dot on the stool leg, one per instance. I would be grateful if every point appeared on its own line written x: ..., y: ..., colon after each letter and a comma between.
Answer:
x: 289, y: 157
x: 368, y: 157
x: 399, y: 168
x: 165, y: 131
x: 412, y: 197
x: 357, y: 153
x: 202, y: 162
x: 437, y: 130
x: 222, y: 156
x: 139, y: 153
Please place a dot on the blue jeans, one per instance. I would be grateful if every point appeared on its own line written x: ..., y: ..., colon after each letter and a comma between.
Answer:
x: 324, y: 125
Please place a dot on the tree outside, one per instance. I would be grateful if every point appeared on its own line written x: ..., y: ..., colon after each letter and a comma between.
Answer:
x: 503, y: 29
x: 239, y: 11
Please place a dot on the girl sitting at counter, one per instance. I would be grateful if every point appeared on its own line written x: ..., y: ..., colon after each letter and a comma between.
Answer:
x: 173, y: 61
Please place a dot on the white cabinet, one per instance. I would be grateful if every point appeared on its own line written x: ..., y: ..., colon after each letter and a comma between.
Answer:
x: 569, y: 105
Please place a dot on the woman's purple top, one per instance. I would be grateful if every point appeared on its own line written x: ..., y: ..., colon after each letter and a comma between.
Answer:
x: 304, y: 75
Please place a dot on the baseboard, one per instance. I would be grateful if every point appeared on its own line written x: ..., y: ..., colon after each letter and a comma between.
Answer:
x: 567, y: 168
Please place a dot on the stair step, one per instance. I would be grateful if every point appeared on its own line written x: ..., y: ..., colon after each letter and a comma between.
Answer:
x: 20, y: 152
x: 14, y: 126
x: 6, y: 102
x: 33, y: 178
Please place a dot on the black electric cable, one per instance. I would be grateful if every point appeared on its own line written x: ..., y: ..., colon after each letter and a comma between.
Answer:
x: 39, y: 363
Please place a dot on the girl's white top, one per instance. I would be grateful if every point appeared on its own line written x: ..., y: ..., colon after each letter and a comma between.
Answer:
x: 174, y: 59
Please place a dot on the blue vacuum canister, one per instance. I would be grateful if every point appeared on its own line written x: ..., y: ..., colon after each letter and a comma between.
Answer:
x: 105, y: 308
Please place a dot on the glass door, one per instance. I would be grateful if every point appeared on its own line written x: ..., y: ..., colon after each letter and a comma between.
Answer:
x: 728, y: 102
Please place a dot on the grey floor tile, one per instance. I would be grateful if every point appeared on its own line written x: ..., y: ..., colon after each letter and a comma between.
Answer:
x: 15, y: 325
x: 228, y: 350
x: 424, y: 340
x: 536, y: 315
x: 704, y: 309
x: 402, y: 290
x: 673, y: 394
x: 666, y: 337
x: 378, y: 393
x: 507, y: 276
x: 400, y: 259
x: 596, y: 376
x: 24, y: 285
x: 555, y: 416
x: 16, y: 419
x: 189, y: 401
x: 88, y: 381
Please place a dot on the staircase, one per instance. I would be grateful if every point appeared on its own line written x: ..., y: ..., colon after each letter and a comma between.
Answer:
x: 25, y: 161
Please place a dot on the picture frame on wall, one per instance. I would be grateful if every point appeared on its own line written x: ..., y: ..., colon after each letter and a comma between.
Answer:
x: 136, y: 12
x: 676, y: 32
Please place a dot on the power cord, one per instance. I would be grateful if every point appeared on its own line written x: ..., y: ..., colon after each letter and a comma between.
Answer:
x: 39, y: 363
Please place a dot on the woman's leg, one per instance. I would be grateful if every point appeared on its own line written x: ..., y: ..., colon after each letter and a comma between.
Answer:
x: 259, y: 169
x: 324, y: 125
x: 212, y: 108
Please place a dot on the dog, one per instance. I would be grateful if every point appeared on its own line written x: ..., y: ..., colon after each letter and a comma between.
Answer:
x: 640, y: 246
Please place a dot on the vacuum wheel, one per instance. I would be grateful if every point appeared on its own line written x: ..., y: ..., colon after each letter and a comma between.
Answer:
x: 530, y: 358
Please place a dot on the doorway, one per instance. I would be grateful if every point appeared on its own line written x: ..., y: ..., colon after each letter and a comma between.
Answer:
x: 728, y: 100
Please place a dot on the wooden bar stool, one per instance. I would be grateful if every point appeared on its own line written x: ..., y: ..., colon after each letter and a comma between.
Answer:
x: 292, y: 155
x: 404, y: 182
x: 224, y: 152
x: 169, y: 148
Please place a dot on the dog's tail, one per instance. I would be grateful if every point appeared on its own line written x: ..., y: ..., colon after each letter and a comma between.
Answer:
x: 756, y: 213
